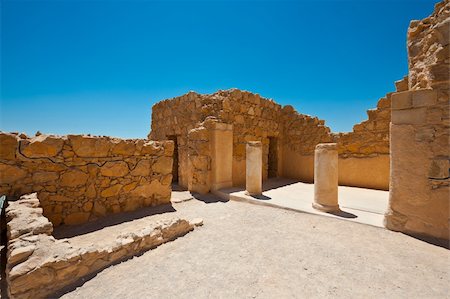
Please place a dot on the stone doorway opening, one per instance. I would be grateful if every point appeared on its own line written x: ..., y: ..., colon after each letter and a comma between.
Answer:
x: 273, y: 157
x: 175, y: 165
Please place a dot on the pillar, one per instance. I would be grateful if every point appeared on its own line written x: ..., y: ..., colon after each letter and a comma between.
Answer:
x: 326, y: 177
x: 253, y: 180
x: 221, y: 136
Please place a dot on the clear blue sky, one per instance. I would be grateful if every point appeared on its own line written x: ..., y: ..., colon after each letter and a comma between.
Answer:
x: 98, y: 66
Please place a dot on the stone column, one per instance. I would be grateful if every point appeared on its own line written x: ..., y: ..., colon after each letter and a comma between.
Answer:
x: 326, y: 177
x: 253, y: 181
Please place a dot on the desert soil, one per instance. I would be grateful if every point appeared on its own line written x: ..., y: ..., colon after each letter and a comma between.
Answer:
x: 249, y: 251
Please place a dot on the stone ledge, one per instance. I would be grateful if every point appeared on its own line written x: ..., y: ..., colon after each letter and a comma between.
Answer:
x: 38, y: 265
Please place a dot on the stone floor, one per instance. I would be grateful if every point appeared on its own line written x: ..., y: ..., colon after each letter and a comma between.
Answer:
x: 251, y: 251
x: 360, y: 205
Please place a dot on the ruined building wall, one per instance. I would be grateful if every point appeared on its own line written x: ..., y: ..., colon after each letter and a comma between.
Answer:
x: 419, y: 186
x: 253, y: 119
x: 79, y: 178
x: 301, y: 133
x: 288, y: 137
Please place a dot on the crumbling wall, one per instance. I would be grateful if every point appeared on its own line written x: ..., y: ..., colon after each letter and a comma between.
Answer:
x: 294, y: 136
x: 80, y: 178
x: 420, y: 129
x: 38, y: 265
x: 253, y: 118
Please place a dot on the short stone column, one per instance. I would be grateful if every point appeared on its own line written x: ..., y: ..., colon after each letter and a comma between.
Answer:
x: 253, y: 179
x: 326, y: 177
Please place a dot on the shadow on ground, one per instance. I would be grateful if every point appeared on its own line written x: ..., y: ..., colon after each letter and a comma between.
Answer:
x: 69, y: 231
x: 343, y: 214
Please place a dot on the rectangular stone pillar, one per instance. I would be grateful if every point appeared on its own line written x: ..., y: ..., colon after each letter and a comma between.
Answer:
x: 253, y: 181
x: 221, y: 136
x: 326, y: 177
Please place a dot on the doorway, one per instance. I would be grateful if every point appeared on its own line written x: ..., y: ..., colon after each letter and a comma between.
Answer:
x: 273, y: 157
x: 175, y: 158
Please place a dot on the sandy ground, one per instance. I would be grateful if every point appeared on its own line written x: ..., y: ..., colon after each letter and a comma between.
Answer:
x: 249, y: 251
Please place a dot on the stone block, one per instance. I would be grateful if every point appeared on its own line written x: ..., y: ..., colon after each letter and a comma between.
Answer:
x: 10, y: 174
x: 142, y: 168
x: 439, y: 169
x: 425, y: 97
x: 73, y: 178
x: 401, y: 100
x: 111, y: 191
x: 409, y: 116
x: 163, y: 165
x: 88, y: 146
x: 8, y: 146
x: 45, y: 176
x: 114, y: 169
x: 42, y: 146
x: 124, y: 148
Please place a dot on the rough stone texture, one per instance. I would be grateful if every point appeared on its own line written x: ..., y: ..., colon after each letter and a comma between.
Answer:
x: 80, y: 178
x: 367, y: 147
x: 420, y: 129
x: 428, y: 50
x: 255, y: 118
x: 38, y: 265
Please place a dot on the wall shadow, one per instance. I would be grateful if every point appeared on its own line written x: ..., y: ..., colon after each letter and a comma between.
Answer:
x: 69, y: 231
x: 208, y: 198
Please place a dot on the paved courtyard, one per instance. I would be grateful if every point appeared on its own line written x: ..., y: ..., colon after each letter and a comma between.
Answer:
x: 251, y: 251
x: 361, y: 205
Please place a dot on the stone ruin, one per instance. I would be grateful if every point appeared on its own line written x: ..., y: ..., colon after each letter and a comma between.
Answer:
x: 208, y: 142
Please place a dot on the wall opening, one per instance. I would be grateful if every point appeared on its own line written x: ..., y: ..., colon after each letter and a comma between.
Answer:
x: 273, y: 158
x: 175, y: 165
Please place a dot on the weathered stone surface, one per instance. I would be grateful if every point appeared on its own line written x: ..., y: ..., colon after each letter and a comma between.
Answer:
x: 143, y: 168
x: 88, y: 146
x: 42, y: 146
x: 73, y: 178
x: 114, y: 169
x: 38, y: 265
x: 10, y: 174
x: 124, y: 148
x: 111, y: 191
x: 163, y: 165
x: 45, y: 176
x: 8, y: 146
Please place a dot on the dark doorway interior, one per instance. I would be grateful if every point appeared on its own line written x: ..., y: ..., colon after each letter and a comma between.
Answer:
x: 175, y: 158
x: 273, y: 157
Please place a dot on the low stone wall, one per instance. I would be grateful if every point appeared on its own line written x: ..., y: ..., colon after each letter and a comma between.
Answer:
x: 38, y: 265
x: 80, y: 178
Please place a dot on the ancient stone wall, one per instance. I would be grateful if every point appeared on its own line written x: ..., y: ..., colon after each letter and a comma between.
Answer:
x: 253, y: 119
x: 38, y: 265
x: 420, y: 133
x: 79, y: 178
x: 288, y: 137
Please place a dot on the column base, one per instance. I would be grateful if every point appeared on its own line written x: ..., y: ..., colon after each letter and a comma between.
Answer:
x: 325, y: 208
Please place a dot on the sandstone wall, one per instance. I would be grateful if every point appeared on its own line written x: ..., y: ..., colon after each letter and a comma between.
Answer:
x: 38, y: 265
x: 79, y: 178
x: 301, y: 134
x: 253, y: 118
x: 364, y: 159
x: 420, y: 129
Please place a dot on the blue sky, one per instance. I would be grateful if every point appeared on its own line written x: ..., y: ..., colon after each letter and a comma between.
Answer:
x: 98, y: 66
